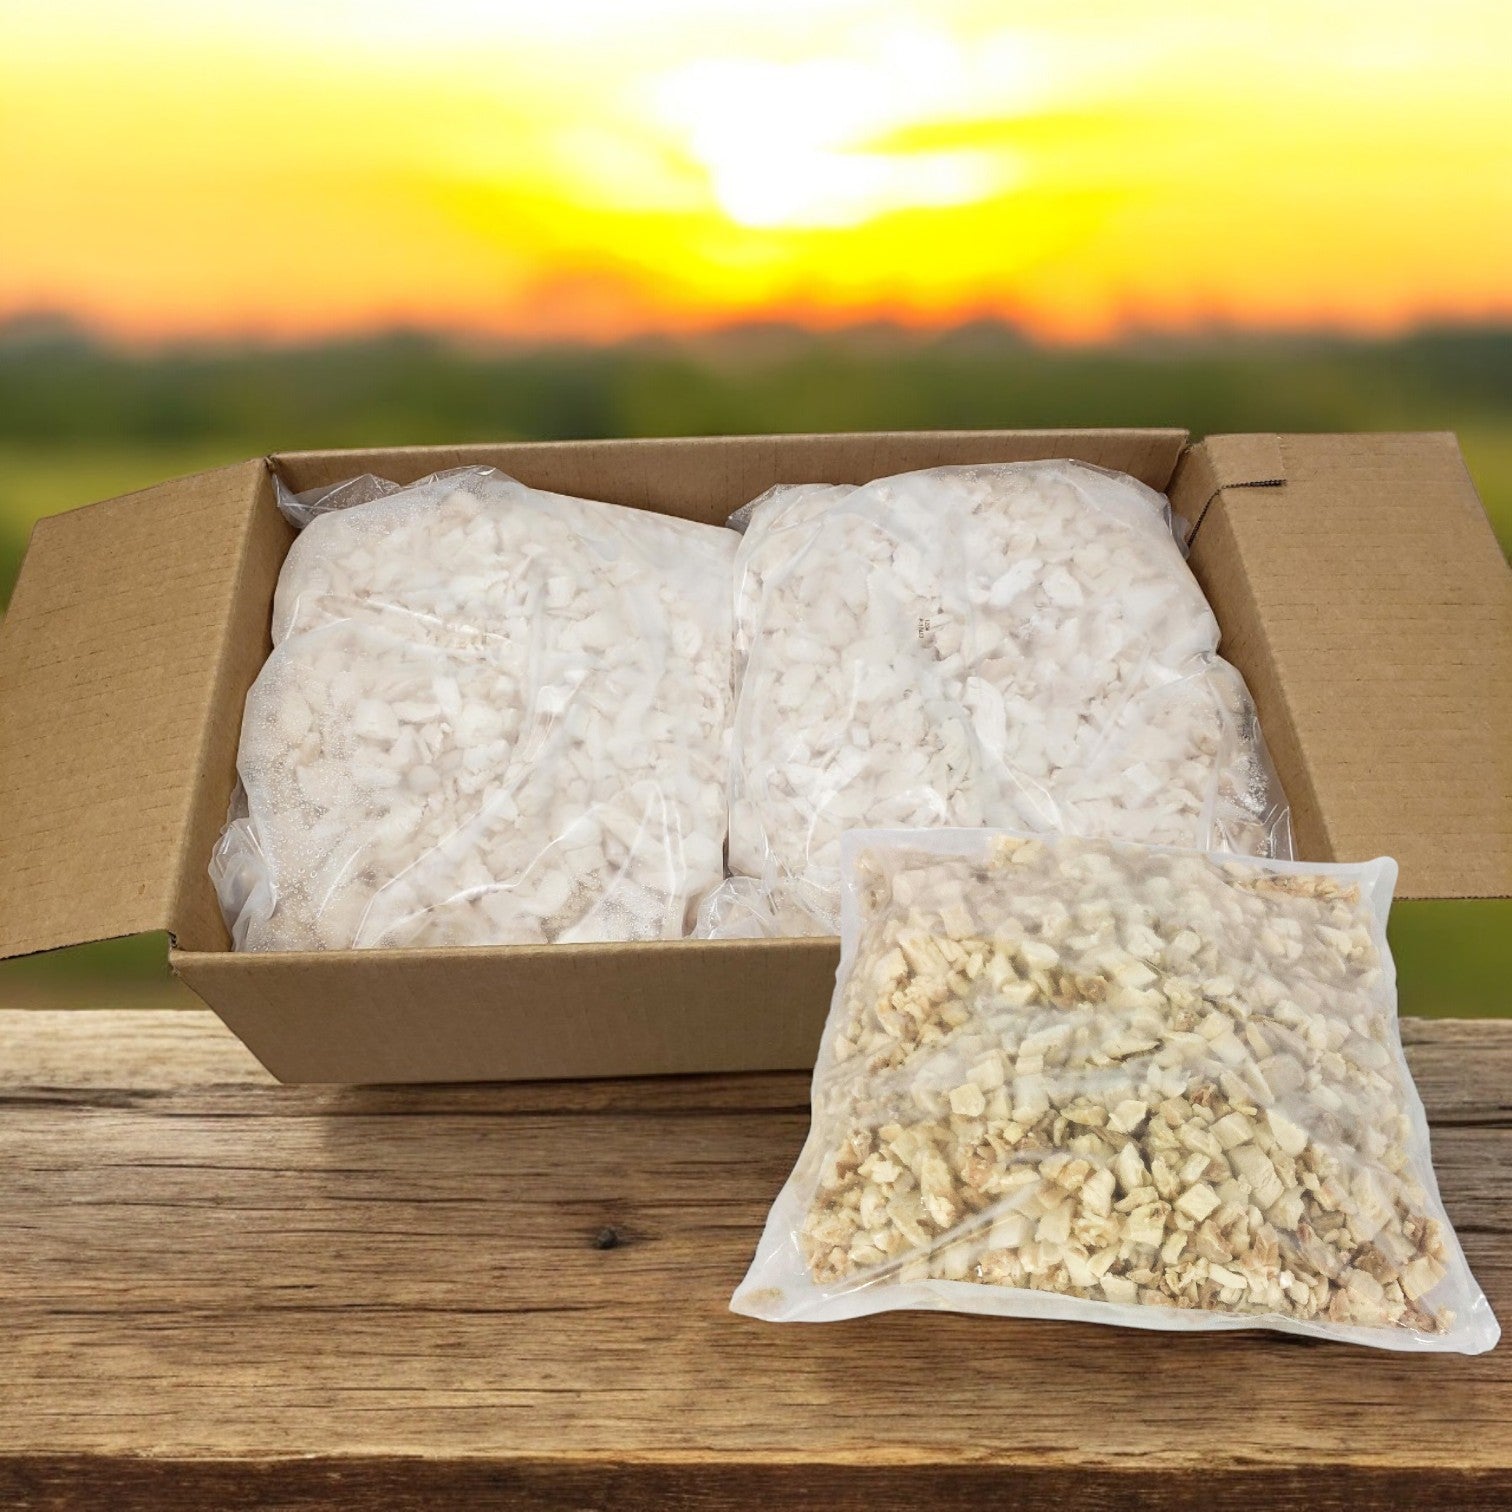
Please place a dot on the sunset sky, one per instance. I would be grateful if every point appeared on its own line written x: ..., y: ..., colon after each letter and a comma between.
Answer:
x: 599, y: 167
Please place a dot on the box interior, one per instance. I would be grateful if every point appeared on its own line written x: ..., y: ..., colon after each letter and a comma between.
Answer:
x: 697, y: 479
x: 708, y: 478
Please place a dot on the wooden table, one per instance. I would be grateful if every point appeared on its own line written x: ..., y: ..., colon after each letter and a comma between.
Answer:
x: 219, y: 1293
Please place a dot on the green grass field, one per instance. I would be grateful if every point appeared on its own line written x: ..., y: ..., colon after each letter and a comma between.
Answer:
x: 78, y: 424
x: 39, y: 480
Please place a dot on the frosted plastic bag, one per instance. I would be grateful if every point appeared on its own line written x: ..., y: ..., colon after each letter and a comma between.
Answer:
x: 1020, y: 644
x: 492, y: 715
x: 1089, y: 1080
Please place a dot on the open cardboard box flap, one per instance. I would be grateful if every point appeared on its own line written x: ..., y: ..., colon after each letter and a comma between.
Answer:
x: 127, y: 623
x: 1356, y: 578
x: 1369, y: 608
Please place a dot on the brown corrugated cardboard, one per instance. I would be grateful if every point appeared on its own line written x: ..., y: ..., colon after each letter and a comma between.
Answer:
x: 111, y: 666
x: 525, y: 1011
x: 1355, y: 577
x: 707, y: 478
x: 1365, y: 601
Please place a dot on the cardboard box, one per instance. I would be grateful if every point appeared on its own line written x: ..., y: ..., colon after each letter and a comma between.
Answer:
x: 1356, y: 579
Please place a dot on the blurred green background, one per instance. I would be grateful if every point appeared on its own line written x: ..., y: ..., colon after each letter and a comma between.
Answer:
x: 80, y: 421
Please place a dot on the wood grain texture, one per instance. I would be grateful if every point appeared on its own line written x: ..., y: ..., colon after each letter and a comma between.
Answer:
x: 218, y: 1292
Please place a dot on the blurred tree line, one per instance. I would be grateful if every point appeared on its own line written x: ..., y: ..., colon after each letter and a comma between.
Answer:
x: 58, y: 386
x: 80, y: 420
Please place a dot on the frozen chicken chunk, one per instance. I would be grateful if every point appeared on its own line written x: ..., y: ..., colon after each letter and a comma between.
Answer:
x: 492, y: 715
x: 1019, y: 644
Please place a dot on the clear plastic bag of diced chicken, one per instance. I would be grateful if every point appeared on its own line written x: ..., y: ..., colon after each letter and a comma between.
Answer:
x: 492, y: 715
x: 1017, y: 644
x: 1083, y: 1079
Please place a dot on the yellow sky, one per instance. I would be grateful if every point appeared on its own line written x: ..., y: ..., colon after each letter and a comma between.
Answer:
x: 593, y: 167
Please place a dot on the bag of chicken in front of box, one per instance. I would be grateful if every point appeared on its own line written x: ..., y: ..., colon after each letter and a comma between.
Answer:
x: 1079, y: 1079
x: 492, y: 715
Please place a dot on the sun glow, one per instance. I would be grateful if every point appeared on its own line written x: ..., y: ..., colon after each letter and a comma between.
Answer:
x: 589, y: 168
x: 789, y: 144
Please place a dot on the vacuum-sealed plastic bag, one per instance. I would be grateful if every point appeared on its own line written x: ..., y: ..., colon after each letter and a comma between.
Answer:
x: 492, y: 715
x: 1016, y: 644
x: 1082, y: 1079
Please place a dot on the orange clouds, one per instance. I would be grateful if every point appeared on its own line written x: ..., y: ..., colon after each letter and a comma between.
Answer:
x: 592, y: 169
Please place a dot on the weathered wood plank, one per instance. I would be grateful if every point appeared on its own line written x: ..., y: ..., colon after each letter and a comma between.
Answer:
x: 218, y: 1291
x: 424, y: 1484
